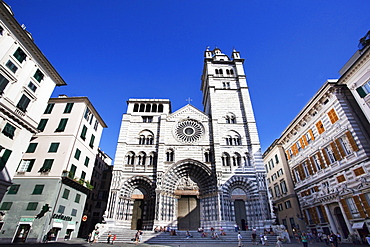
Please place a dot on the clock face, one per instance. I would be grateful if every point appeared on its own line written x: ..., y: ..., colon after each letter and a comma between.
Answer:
x: 188, y: 131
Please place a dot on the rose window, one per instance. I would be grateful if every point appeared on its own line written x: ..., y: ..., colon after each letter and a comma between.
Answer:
x: 188, y: 131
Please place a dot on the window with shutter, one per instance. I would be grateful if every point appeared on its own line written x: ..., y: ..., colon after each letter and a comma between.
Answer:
x: 352, y: 141
x: 3, y: 83
x: 320, y: 127
x: 333, y: 116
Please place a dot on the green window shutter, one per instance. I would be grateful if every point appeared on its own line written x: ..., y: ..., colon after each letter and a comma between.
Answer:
x: 32, y: 206
x: 38, y: 75
x: 38, y: 189
x: 65, y: 194
x: 361, y: 92
x: 13, y: 189
x: 30, y: 165
x: 53, y: 147
x: 68, y: 108
x: 49, y: 108
x: 11, y: 66
x: 46, y: 167
x: 20, y: 55
x: 77, y: 198
x: 77, y: 154
x: 3, y: 83
x: 92, y: 141
x: 9, y: 130
x: 23, y: 103
x: 31, y: 148
x: 83, y: 133
x: 62, y: 125
x: 87, y: 160
x: 42, y: 124
x: 4, y: 158
x: 6, y: 205
x: 72, y: 172
x: 83, y: 175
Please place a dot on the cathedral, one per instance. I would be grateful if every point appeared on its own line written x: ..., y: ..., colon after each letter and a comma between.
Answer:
x: 190, y: 168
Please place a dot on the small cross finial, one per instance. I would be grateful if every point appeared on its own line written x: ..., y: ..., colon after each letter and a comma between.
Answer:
x: 189, y: 100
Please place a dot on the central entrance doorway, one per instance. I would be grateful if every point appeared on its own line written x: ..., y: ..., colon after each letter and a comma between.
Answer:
x: 188, y: 213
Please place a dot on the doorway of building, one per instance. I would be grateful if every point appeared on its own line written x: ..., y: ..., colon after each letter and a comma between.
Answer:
x: 188, y: 213
x: 137, y: 215
x: 22, y: 233
x: 240, y: 213
x: 339, y: 215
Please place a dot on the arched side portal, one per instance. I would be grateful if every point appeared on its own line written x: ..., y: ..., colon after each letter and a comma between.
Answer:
x: 187, y: 196
x: 135, y: 203
x: 241, y: 203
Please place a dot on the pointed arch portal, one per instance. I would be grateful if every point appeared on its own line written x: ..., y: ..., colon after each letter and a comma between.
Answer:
x: 191, y: 183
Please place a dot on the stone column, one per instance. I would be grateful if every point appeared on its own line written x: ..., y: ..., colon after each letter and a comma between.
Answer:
x: 330, y: 218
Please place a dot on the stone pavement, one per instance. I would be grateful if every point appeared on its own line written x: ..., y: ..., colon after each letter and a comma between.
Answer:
x: 186, y: 243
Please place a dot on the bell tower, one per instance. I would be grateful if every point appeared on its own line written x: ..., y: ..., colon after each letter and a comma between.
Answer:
x: 227, y: 101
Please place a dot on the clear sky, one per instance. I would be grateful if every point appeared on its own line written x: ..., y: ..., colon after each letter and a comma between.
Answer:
x: 114, y: 50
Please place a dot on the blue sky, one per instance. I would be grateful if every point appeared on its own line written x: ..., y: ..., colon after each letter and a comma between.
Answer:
x: 114, y: 50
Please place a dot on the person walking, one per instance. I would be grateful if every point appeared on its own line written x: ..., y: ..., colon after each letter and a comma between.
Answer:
x: 304, y: 239
x: 240, y: 244
x: 333, y: 239
x: 109, y: 237
x: 279, y: 242
x: 254, y: 238
x: 114, y: 239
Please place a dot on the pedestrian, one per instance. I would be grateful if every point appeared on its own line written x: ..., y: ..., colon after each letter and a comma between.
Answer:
x: 236, y: 227
x: 279, y: 242
x: 304, y: 239
x: 240, y: 244
x: 254, y: 238
x: 333, y: 239
x: 114, y: 239
x: 109, y: 237
x: 339, y: 237
x: 140, y: 236
x: 137, y: 234
x: 188, y: 235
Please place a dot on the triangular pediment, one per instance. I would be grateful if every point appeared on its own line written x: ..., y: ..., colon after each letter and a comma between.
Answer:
x: 188, y: 111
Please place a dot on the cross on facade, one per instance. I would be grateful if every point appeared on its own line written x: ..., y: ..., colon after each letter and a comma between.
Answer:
x: 189, y: 100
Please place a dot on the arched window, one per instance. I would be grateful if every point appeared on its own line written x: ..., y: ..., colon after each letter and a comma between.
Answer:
x: 147, y: 108
x: 231, y: 71
x: 141, y: 140
x: 152, y: 159
x: 229, y: 140
x: 146, y: 137
x: 136, y: 107
x: 225, y: 159
x: 141, y: 159
x: 237, y: 160
x: 142, y: 108
x: 230, y: 118
x: 149, y: 140
x: 216, y: 70
x: 160, y: 108
x: 170, y: 155
x: 220, y: 71
x: 227, y: 71
x: 154, y: 108
x: 207, y: 156
x: 130, y: 158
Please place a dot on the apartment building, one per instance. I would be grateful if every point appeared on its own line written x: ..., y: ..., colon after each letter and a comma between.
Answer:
x: 328, y: 151
x: 356, y: 75
x: 27, y: 79
x: 97, y: 198
x: 281, y: 190
x: 51, y: 181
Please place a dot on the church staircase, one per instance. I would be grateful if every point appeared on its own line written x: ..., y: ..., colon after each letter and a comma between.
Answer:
x: 151, y: 237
